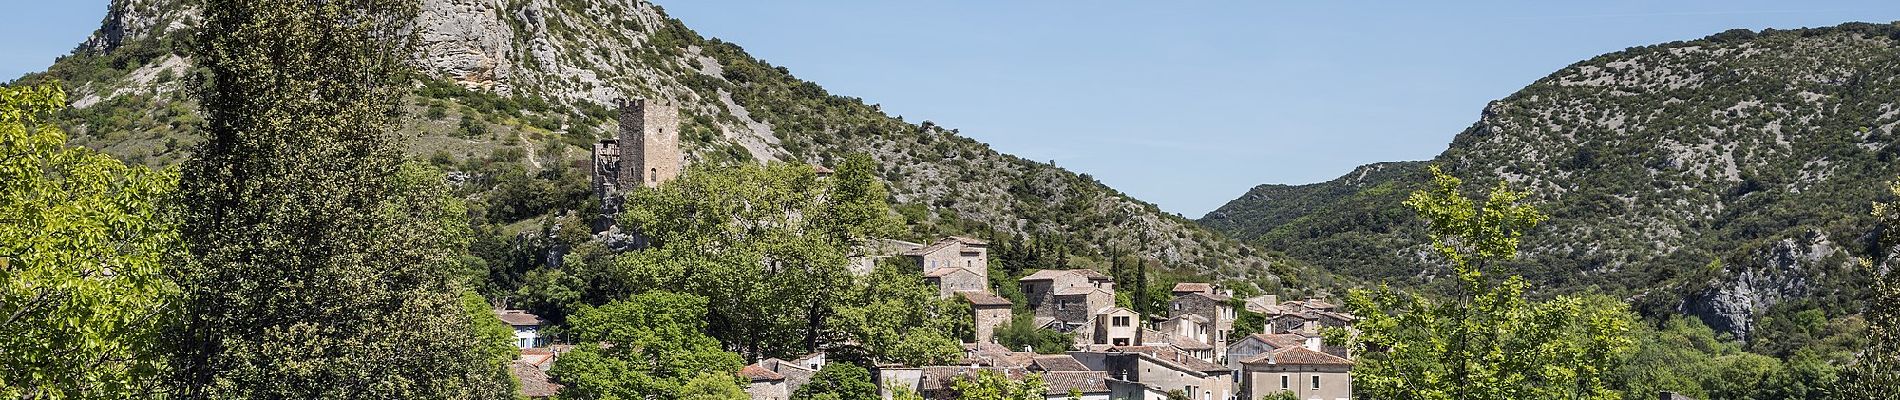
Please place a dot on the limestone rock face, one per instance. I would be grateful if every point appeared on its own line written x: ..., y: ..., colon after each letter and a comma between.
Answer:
x: 128, y: 20
x: 467, y: 41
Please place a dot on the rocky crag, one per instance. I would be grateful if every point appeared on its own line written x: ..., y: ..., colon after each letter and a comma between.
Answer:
x: 1728, y: 177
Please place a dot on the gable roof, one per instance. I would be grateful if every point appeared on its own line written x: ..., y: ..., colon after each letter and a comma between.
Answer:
x: 534, y: 381
x: 757, y: 373
x: 947, y: 271
x: 982, y: 298
x: 967, y: 240
x: 1278, y: 340
x: 1087, y: 382
x: 1296, y: 356
x: 1058, y: 362
x: 518, y: 318
x: 1196, y: 287
x: 1052, y: 274
x: 1219, y: 298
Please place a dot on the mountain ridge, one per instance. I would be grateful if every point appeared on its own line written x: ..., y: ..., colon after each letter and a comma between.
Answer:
x: 1727, y: 177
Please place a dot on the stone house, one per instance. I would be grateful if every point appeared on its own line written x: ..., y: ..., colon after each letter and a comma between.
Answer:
x: 1260, y: 343
x: 1157, y: 370
x: 775, y: 379
x: 989, y: 311
x: 949, y: 281
x: 1067, y: 296
x: 952, y: 252
x: 1113, y: 326
x: 527, y: 327
x: 1215, y: 308
x: 1089, y: 385
x: 1306, y: 322
x: 1307, y: 373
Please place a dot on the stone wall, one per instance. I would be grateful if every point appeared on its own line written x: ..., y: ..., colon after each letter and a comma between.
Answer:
x: 649, y: 143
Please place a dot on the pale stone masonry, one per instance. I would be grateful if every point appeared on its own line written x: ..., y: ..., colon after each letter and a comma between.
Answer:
x: 989, y: 311
x: 1309, y: 374
x: 1213, y: 307
x: 1066, y: 299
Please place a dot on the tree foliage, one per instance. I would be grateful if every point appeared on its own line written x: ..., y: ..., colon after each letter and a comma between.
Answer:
x: 652, y: 345
x: 83, y: 241
x: 898, y: 318
x: 761, y: 242
x: 838, y: 381
x: 1491, y: 342
x: 320, y: 265
x: 1876, y: 372
x: 992, y: 385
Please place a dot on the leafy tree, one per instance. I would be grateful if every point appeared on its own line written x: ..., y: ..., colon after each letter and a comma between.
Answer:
x: 1022, y: 332
x: 1875, y: 374
x: 83, y: 240
x: 839, y: 381
x: 756, y: 241
x: 498, y: 339
x: 1179, y: 394
x: 992, y: 385
x: 649, y: 346
x: 898, y: 318
x: 319, y: 266
x: 1490, y: 343
x: 711, y: 386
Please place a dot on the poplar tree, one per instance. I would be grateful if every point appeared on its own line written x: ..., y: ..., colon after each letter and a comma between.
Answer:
x: 318, y: 267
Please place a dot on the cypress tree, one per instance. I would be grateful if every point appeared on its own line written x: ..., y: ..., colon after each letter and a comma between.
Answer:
x: 319, y: 266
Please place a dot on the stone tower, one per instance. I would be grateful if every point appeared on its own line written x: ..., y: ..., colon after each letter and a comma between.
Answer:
x: 649, y: 143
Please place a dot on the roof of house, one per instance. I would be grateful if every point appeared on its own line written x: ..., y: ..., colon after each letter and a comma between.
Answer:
x: 968, y: 240
x: 1296, y: 356
x: 1215, y: 297
x: 518, y: 318
x: 1058, y: 362
x: 1173, y: 359
x: 1001, y: 359
x: 1191, y: 317
x: 1279, y: 340
x: 1197, y: 287
x: 1051, y: 274
x: 758, y: 373
x: 1087, y: 382
x: 932, y: 248
x: 982, y: 298
x: 938, y: 377
x: 534, y: 381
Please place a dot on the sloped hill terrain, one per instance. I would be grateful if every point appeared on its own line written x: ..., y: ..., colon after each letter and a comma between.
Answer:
x: 515, y: 91
x: 1729, y: 177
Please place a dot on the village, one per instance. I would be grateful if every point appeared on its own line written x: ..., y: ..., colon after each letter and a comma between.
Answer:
x: 1117, y: 352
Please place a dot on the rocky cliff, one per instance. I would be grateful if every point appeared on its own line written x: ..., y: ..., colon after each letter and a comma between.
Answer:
x: 1728, y: 177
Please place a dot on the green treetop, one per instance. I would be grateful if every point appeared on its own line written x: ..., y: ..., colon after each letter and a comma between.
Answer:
x: 1491, y: 342
x: 83, y: 241
x: 319, y: 266
x: 652, y: 345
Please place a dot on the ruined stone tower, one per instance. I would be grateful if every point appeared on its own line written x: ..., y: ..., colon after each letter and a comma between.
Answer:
x: 645, y: 153
x: 649, y: 143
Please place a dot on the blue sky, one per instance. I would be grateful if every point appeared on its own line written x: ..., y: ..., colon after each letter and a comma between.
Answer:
x: 1186, y: 105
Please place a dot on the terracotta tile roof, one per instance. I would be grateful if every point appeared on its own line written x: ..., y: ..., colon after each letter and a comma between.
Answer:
x: 757, y: 373
x: 1059, y: 362
x: 1280, y: 340
x: 534, y: 381
x: 1296, y: 356
x: 932, y: 248
x: 982, y: 298
x: 1196, y: 287
x: 518, y: 318
x: 1091, y: 274
x: 1087, y: 382
x: 938, y: 377
x: 1216, y: 297
x: 1044, y: 275
x: 538, y: 360
x: 985, y: 347
x: 1001, y: 359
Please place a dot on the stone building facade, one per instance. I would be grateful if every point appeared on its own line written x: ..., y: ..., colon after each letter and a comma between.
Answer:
x: 645, y: 153
x: 1212, y: 307
x: 1068, y: 296
x: 989, y: 311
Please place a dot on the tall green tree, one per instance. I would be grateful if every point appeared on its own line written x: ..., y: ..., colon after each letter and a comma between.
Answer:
x: 759, y: 241
x: 1490, y: 342
x: 1875, y: 374
x: 653, y: 345
x: 319, y: 265
x: 83, y: 240
x: 897, y: 318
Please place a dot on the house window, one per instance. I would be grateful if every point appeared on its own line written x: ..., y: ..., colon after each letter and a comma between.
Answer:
x: 1315, y: 382
x: 1285, y: 382
x: 1177, y: 306
x: 1062, y: 305
x: 1121, y: 321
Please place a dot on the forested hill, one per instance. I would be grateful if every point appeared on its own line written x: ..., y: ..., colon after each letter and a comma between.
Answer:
x: 1728, y: 177
x: 516, y: 90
